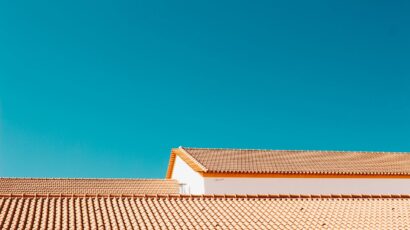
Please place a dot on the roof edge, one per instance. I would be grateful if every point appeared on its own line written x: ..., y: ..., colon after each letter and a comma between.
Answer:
x: 187, y: 158
x: 171, y: 164
x: 212, y: 196
x: 197, y: 165
x: 303, y: 175
x: 300, y: 150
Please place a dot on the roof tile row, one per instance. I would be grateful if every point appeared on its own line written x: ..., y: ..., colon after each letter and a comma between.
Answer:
x: 207, y: 196
x: 210, y: 213
x: 87, y: 186
x: 298, y: 162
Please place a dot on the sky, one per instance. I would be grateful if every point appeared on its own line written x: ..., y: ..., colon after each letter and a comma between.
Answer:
x: 106, y: 88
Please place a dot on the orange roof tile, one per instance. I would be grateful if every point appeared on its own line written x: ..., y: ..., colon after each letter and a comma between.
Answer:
x: 85, y: 186
x: 204, y: 212
x: 294, y: 162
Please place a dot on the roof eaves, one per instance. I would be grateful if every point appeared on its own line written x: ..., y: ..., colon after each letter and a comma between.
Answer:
x: 171, y: 165
x: 187, y: 158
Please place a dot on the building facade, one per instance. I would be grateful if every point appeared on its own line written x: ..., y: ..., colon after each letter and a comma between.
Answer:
x: 233, y: 171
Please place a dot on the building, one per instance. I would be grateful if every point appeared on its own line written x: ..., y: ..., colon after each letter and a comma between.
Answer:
x: 34, y: 203
x: 236, y: 171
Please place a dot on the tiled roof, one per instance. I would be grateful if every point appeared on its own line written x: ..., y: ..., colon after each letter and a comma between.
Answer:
x: 294, y: 162
x: 203, y: 212
x: 88, y: 186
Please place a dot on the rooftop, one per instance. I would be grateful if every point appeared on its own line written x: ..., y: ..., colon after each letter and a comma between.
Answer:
x: 87, y: 186
x: 204, y: 212
x: 251, y: 161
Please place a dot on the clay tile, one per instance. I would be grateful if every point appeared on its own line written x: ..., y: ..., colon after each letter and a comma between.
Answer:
x: 284, y: 196
x: 251, y: 196
x: 336, y: 196
x: 346, y: 196
x: 294, y: 196
x: 216, y: 161
x: 273, y: 196
x: 29, y: 195
x: 263, y: 196
x: 150, y: 195
x: 241, y: 196
x: 230, y: 196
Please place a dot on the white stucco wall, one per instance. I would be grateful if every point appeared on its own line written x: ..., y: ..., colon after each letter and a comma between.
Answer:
x: 306, y: 186
x: 186, y: 175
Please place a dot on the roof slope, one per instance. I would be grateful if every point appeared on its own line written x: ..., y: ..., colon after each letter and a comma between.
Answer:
x: 298, y: 162
x: 88, y: 186
x: 202, y: 212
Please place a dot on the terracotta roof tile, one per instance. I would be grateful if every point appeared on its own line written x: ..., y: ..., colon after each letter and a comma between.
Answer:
x: 204, y: 212
x: 84, y: 186
x: 300, y: 162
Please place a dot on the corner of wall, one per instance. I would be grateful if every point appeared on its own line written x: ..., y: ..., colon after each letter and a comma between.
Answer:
x: 184, y: 174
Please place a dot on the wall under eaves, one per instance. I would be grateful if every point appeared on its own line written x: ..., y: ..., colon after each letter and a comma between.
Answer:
x: 214, y: 185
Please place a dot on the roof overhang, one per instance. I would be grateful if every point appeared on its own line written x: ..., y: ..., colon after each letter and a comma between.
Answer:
x: 187, y: 158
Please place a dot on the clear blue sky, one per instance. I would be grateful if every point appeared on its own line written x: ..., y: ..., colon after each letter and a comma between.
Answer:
x: 107, y: 88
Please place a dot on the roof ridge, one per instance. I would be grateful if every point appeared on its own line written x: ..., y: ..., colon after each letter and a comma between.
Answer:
x: 212, y: 196
x: 297, y: 150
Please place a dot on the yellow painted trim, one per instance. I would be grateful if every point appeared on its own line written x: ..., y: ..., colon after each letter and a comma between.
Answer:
x: 188, y: 159
x: 284, y: 175
x: 170, y: 165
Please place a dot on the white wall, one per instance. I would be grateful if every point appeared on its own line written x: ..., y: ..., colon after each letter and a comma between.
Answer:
x: 306, y: 186
x: 185, y: 174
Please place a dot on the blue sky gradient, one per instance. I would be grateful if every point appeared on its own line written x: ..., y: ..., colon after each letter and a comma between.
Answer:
x: 107, y: 88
